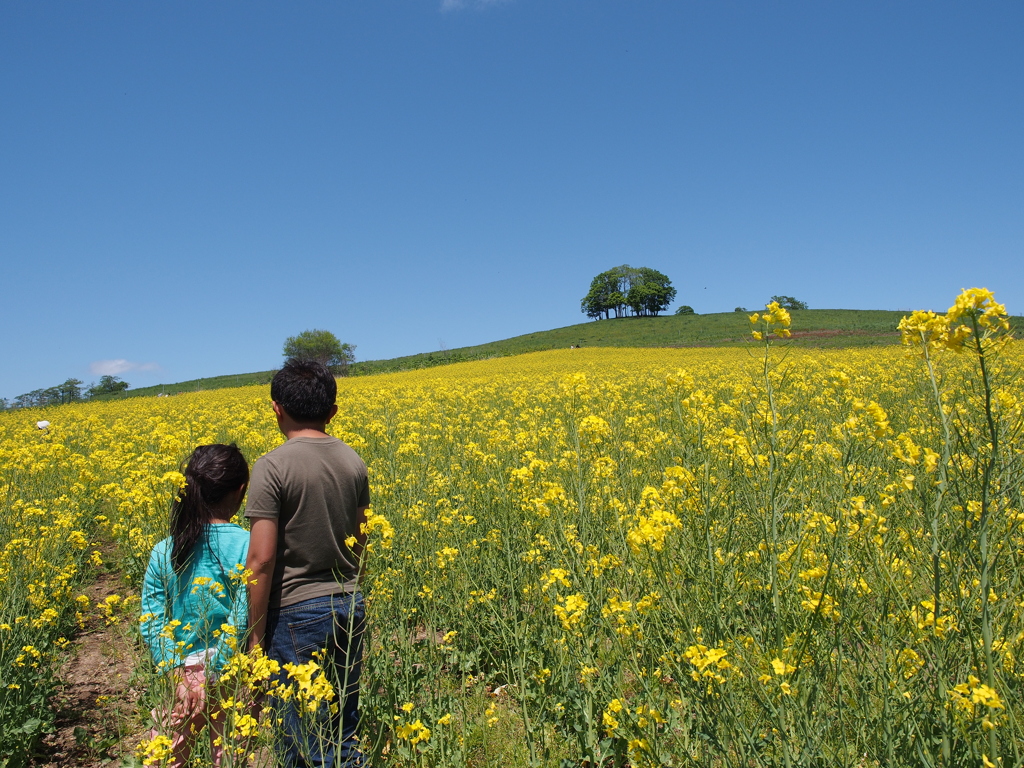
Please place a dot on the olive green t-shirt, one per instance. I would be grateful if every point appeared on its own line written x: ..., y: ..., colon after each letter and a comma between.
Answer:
x: 313, y: 487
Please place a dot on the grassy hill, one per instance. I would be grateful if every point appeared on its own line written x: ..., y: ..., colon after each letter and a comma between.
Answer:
x: 811, y: 328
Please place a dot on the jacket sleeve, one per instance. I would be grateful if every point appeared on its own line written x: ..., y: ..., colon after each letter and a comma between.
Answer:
x: 155, y: 622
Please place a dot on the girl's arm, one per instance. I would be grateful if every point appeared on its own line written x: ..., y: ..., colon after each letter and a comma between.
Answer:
x: 155, y: 621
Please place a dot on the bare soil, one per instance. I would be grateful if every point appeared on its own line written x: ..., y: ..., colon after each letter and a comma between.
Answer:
x: 96, y: 701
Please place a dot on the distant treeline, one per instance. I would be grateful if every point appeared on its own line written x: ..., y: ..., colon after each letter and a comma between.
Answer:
x: 71, y: 391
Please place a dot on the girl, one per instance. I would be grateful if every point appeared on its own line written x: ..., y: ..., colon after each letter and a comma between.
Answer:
x: 194, y: 594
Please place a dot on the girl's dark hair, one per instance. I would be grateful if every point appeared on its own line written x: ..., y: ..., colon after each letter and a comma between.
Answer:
x: 212, y: 472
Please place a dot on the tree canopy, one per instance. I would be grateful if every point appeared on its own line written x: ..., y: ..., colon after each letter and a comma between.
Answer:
x: 641, y: 291
x: 71, y: 391
x: 322, y: 346
x: 788, y: 302
x: 108, y: 385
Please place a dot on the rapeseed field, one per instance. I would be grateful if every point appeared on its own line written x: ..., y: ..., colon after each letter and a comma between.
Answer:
x: 716, y: 557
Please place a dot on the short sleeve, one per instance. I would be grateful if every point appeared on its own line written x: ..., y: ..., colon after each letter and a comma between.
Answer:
x: 364, y: 492
x: 264, y: 499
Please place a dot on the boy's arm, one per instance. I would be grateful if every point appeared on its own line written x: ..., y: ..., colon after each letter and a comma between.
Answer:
x: 260, y: 560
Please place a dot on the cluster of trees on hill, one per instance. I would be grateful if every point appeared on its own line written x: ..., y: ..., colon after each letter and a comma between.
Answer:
x: 643, y: 292
x: 786, y: 302
x: 625, y: 290
x: 71, y: 391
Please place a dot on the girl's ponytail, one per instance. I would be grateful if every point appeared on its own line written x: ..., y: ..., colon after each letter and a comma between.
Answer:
x: 212, y: 472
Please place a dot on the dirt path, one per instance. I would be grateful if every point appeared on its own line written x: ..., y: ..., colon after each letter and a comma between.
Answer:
x: 97, y: 699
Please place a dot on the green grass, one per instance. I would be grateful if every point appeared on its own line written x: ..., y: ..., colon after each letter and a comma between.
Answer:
x: 195, y: 385
x: 811, y: 328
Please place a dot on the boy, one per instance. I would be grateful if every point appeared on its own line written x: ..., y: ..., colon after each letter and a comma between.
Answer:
x: 306, y: 499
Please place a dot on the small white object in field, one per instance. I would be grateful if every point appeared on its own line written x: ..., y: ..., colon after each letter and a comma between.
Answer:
x: 42, y: 424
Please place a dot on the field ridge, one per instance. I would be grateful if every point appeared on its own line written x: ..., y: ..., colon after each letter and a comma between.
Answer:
x: 811, y: 328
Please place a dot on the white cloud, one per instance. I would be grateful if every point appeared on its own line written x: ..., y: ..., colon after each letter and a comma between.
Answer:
x: 117, y: 367
x: 458, y: 5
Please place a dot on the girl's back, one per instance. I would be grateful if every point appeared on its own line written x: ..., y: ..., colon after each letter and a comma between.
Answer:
x: 204, y: 606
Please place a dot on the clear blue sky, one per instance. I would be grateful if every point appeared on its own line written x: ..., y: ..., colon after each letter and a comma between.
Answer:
x: 183, y: 185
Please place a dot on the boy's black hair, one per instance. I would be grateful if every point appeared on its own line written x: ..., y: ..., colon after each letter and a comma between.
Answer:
x: 305, y: 389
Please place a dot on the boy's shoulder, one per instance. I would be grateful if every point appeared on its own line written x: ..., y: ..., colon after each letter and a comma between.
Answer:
x: 295, y: 445
x: 297, y: 448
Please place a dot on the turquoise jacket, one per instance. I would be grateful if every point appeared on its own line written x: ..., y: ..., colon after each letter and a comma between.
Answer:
x: 208, y: 600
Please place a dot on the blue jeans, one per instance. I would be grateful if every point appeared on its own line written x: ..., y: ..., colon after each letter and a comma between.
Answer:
x: 333, y: 625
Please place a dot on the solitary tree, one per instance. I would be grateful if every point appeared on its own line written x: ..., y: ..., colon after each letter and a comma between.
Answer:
x: 322, y: 346
x: 788, y: 302
x: 685, y: 309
